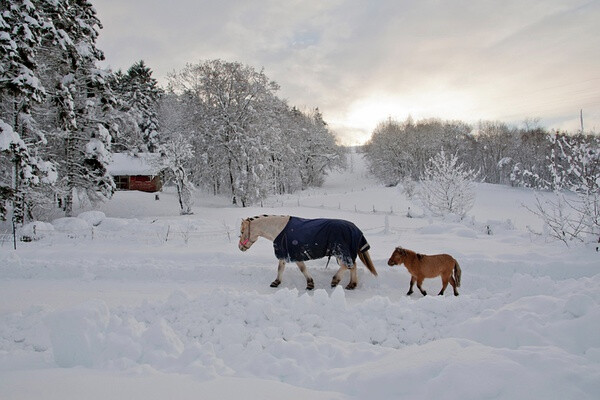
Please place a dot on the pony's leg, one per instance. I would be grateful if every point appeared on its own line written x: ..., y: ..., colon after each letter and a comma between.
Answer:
x: 280, y: 269
x: 353, y: 278
x: 410, y: 289
x: 338, y: 275
x: 453, y: 283
x: 310, y: 283
x: 419, y: 283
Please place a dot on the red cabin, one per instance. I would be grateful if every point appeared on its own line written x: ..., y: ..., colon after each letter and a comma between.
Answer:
x: 136, y: 172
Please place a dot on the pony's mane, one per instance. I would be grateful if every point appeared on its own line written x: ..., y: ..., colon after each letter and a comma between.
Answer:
x: 418, y: 255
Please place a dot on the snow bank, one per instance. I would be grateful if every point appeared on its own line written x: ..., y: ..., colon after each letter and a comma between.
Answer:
x: 378, y: 348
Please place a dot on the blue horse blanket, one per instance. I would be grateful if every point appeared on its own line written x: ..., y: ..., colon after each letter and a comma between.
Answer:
x: 308, y: 239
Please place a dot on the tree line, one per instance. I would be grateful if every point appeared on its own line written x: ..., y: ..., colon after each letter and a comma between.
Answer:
x: 499, y: 152
x: 219, y: 125
x: 446, y: 155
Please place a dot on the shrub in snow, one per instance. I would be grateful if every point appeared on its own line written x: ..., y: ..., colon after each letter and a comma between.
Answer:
x: 35, y: 230
x: 409, y: 187
x: 572, y: 211
x: 72, y: 226
x: 447, y: 186
x: 94, y: 218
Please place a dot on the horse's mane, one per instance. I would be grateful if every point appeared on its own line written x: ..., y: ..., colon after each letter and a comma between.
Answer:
x: 256, y: 217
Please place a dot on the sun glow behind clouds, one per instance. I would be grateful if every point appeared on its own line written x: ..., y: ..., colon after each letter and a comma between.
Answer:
x: 363, y: 116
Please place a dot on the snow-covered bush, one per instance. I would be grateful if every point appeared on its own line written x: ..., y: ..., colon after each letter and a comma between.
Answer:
x: 447, y: 186
x: 572, y: 211
x: 409, y: 187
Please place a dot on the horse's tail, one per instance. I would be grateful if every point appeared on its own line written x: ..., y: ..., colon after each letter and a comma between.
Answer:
x: 366, y: 259
x: 457, y: 273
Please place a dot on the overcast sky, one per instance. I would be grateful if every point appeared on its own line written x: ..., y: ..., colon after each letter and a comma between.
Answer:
x: 363, y: 61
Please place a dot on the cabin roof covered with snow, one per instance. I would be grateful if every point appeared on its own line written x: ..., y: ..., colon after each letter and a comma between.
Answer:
x: 139, y: 164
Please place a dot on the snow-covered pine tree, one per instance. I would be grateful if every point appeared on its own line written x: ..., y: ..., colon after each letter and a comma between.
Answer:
x: 447, y: 186
x: 319, y: 150
x: 138, y: 94
x: 82, y: 103
x: 22, y: 27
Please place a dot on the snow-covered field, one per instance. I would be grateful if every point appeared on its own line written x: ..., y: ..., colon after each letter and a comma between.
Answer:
x: 138, y: 302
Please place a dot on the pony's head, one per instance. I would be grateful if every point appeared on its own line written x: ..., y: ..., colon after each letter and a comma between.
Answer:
x: 247, y: 238
x: 397, y: 257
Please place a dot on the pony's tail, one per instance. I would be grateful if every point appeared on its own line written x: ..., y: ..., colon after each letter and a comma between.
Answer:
x: 366, y: 259
x: 457, y: 273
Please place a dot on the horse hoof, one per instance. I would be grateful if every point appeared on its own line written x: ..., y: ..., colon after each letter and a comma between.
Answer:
x: 409, y: 293
x: 310, y: 287
x: 275, y: 283
x: 351, y: 286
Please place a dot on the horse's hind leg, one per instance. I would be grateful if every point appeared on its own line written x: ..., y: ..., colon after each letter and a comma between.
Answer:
x: 280, y: 269
x: 353, y: 278
x: 310, y: 283
x: 338, y: 275
x: 453, y: 283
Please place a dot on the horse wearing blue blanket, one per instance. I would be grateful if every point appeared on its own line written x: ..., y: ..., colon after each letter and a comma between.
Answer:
x: 299, y: 240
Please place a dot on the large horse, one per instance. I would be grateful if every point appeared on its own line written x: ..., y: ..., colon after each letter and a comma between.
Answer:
x: 421, y: 266
x: 298, y: 240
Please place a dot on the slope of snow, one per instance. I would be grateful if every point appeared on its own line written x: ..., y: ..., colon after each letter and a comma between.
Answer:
x: 134, y: 301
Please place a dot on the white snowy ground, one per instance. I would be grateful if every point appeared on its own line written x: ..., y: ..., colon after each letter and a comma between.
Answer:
x: 138, y: 302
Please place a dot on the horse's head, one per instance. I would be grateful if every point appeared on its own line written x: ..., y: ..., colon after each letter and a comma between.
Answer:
x: 397, y: 257
x: 246, y: 237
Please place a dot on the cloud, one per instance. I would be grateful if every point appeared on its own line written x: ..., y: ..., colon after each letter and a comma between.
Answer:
x: 358, y: 60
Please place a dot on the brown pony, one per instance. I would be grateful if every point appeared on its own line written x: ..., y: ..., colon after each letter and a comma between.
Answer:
x: 421, y: 266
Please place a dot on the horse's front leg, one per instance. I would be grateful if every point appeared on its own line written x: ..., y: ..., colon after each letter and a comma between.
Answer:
x: 412, y: 282
x: 280, y: 269
x: 310, y: 283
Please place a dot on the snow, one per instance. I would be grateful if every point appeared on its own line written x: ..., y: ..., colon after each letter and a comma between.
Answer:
x: 9, y: 137
x: 132, y: 300
x: 140, y: 164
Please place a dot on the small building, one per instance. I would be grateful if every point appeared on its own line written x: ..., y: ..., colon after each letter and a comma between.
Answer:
x: 136, y: 172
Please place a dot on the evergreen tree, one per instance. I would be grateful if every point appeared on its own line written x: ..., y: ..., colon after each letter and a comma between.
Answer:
x: 82, y: 104
x: 319, y: 150
x: 138, y: 94
x: 22, y: 27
